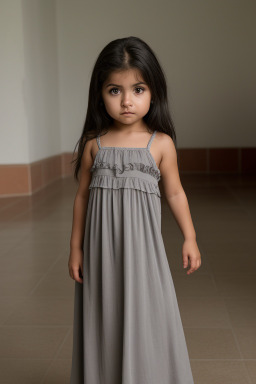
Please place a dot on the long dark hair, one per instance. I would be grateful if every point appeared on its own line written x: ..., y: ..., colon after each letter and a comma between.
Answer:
x: 121, y: 54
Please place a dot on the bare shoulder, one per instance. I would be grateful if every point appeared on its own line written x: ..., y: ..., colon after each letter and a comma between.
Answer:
x: 86, y: 163
x: 169, y: 166
x: 165, y: 140
x: 87, y: 156
x: 166, y: 145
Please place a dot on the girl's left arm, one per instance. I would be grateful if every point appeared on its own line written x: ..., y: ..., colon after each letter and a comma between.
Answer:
x: 178, y: 203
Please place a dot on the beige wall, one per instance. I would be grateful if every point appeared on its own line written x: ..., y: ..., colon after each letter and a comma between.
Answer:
x: 29, y: 119
x: 49, y: 47
x: 205, y: 48
x: 13, y: 119
x: 41, y: 78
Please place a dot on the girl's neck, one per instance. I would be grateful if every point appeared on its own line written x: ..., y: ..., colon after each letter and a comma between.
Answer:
x: 138, y: 127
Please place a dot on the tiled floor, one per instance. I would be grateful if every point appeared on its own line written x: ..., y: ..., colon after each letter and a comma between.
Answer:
x: 217, y: 302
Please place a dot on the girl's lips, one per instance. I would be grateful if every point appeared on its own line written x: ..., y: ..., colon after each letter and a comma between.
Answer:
x: 127, y: 113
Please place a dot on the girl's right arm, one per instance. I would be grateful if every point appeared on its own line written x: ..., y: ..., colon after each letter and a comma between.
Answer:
x: 75, y: 263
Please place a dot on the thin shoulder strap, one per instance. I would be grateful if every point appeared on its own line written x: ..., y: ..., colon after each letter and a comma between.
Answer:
x: 98, y: 141
x: 151, y: 139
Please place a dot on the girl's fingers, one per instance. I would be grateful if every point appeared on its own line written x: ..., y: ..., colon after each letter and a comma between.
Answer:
x: 194, y: 266
x: 185, y: 261
x: 76, y: 276
x: 72, y: 273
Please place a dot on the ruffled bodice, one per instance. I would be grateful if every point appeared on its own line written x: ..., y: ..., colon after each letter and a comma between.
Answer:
x: 123, y: 167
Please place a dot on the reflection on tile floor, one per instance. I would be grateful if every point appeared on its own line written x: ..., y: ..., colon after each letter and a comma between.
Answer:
x: 217, y: 302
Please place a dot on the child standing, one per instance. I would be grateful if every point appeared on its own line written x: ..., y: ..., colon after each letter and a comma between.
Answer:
x: 127, y: 325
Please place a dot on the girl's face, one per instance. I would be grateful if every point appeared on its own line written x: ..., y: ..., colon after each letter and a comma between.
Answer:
x: 126, y: 91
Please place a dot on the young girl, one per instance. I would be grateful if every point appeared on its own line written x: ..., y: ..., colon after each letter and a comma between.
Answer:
x: 127, y: 325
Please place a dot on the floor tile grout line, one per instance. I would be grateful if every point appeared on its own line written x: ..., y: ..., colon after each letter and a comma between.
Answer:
x: 15, y: 309
x: 248, y: 374
x: 240, y: 202
x: 51, y: 194
x: 33, y: 289
x: 56, y: 354
x: 10, y: 204
x: 228, y: 318
x: 29, y: 294
x: 45, y: 275
x: 233, y: 333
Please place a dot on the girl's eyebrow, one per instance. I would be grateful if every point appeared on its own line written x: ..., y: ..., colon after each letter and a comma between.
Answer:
x: 120, y: 86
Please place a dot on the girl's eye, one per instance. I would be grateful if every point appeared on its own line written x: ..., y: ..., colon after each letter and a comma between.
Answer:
x: 112, y: 89
x: 140, y: 88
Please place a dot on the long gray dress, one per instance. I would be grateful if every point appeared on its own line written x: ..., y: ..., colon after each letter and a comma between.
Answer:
x: 127, y: 326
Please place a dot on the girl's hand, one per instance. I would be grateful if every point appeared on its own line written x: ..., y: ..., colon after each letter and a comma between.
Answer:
x: 190, y: 251
x: 75, y: 265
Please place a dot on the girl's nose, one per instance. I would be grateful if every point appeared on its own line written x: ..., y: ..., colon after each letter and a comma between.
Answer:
x: 126, y: 100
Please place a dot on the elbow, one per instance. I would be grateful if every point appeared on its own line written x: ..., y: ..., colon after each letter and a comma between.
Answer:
x: 174, y: 193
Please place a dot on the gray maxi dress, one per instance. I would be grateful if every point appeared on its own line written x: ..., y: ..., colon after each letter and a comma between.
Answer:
x: 127, y: 327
